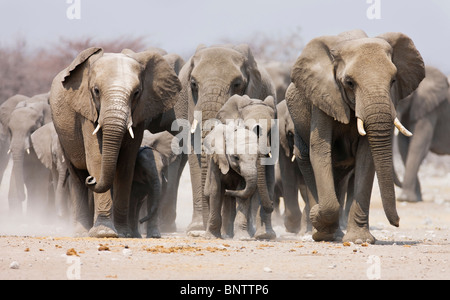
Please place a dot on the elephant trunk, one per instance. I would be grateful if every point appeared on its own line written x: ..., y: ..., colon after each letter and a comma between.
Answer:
x: 379, y: 132
x: 250, y: 177
x: 114, y: 127
x: 266, y: 198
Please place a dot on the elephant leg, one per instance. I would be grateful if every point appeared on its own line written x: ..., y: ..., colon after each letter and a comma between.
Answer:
x: 197, y: 193
x: 419, y: 147
x: 103, y: 224
x: 121, y: 190
x: 263, y: 220
x: 228, y: 216
x: 292, y: 213
x: 153, y: 200
x: 325, y: 215
x: 137, y: 196
x: 168, y: 205
x: 358, y: 219
x: 80, y: 204
x: 214, y: 223
x: 242, y: 219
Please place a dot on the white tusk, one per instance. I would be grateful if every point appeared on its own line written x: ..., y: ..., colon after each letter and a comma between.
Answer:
x: 9, y: 151
x: 270, y: 154
x: 194, y: 126
x: 360, y: 125
x: 28, y: 150
x: 96, y: 130
x: 293, y: 158
x: 402, y: 128
x: 130, y: 130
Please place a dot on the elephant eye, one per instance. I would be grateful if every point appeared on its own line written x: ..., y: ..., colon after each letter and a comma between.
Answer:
x: 235, y: 157
x: 136, y: 93
x: 349, y: 82
x: 96, y: 91
x: 194, y: 85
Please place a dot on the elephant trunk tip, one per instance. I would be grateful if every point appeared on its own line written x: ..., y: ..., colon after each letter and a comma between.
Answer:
x: 91, y: 183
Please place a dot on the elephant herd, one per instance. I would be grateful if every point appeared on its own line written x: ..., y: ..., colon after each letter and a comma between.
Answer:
x: 106, y: 147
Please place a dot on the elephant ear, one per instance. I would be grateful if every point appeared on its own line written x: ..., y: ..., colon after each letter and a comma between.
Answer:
x: 160, y: 85
x: 175, y: 61
x: 75, y: 82
x: 42, y: 144
x: 432, y: 91
x: 313, y: 76
x: 409, y: 63
x: 162, y: 142
x: 214, y: 144
x: 255, y: 86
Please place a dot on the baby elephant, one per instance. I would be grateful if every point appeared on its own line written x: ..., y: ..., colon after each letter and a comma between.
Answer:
x: 232, y: 177
x: 150, y: 180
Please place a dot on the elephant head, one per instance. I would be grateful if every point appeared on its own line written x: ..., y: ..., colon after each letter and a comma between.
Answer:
x: 115, y: 92
x: 353, y: 77
x: 287, y: 130
x: 216, y: 73
x: 27, y: 117
x: 235, y: 148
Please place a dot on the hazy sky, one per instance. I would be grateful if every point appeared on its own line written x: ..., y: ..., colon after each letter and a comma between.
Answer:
x: 180, y: 25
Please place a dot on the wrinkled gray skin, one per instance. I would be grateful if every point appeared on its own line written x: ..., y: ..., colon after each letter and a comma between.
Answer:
x: 335, y: 81
x: 210, y: 77
x: 426, y: 113
x: 231, y: 181
x: 48, y: 149
x: 288, y: 178
x: 150, y: 182
x: 5, y: 112
x: 100, y: 104
x: 257, y: 115
x: 27, y: 170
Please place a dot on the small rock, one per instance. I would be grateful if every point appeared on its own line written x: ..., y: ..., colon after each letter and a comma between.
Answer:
x: 14, y: 265
x: 127, y: 252
x: 333, y: 266
x: 267, y: 270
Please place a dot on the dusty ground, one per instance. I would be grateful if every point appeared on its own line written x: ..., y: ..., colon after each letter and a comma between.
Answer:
x: 418, y: 249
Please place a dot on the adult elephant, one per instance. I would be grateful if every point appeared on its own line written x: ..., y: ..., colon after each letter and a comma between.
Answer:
x: 5, y: 137
x: 48, y: 149
x: 426, y: 112
x: 342, y: 100
x: 95, y: 102
x: 210, y: 77
x: 27, y: 170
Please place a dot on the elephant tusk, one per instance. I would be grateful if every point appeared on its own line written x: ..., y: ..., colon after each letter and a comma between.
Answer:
x: 270, y: 154
x: 96, y: 130
x: 402, y: 128
x: 9, y: 151
x: 360, y: 125
x: 130, y: 130
x: 293, y: 158
x: 194, y: 126
x: 28, y: 151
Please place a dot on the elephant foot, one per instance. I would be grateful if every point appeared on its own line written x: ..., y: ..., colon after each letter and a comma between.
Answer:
x: 211, y: 235
x: 359, y: 235
x: 80, y: 230
x: 320, y: 236
x: 324, y: 228
x: 242, y: 235
x: 103, y: 228
x: 408, y: 196
x: 153, y: 233
x: 292, y: 226
x: 196, y: 225
x: 265, y: 234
